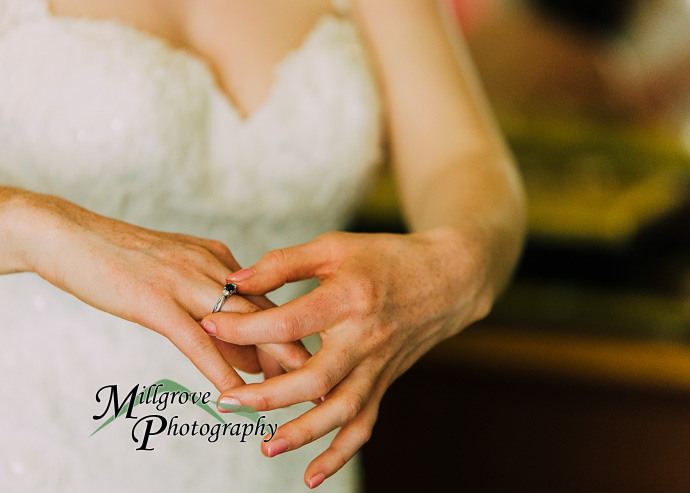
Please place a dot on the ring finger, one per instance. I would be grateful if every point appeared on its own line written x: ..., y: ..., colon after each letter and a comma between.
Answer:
x: 290, y: 356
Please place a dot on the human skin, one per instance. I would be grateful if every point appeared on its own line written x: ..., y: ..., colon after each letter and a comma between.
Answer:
x: 162, y: 281
x: 385, y: 300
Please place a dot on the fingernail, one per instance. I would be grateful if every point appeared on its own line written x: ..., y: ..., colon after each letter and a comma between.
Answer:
x: 241, y: 275
x: 277, y: 447
x: 316, y: 480
x: 209, y: 327
x: 229, y: 401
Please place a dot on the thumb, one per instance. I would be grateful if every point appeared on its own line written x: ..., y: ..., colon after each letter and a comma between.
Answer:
x: 282, y: 266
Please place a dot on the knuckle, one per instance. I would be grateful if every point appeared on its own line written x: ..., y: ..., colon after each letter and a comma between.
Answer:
x: 198, y: 344
x: 182, y: 261
x: 352, y: 403
x: 226, y: 380
x: 362, y: 433
x: 275, y: 258
x: 364, y: 295
x: 263, y: 402
x: 343, y: 361
x: 340, y: 456
x: 217, y: 247
x: 323, y: 383
x: 333, y: 243
x: 287, y: 328
x: 302, y: 433
x: 328, y: 237
x: 483, y: 307
x: 338, y: 240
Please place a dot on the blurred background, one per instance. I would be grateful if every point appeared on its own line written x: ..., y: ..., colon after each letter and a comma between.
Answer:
x: 580, y: 378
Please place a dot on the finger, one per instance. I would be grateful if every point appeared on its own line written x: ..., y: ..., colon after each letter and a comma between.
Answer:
x: 196, y: 344
x: 276, y: 359
x: 343, y: 404
x: 217, y: 248
x: 223, y: 254
x: 319, y: 310
x: 284, y: 265
x: 242, y: 358
x: 200, y: 299
x: 261, y: 301
x: 269, y: 366
x: 315, y: 379
x: 345, y: 445
x: 290, y: 356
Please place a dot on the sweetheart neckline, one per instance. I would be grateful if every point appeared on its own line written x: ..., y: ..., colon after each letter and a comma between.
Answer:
x: 229, y: 102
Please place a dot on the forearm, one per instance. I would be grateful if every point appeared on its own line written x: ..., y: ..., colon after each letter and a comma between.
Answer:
x: 481, y: 198
x: 451, y: 164
x: 39, y: 232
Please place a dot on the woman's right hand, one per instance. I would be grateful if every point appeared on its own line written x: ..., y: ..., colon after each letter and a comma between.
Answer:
x: 163, y: 281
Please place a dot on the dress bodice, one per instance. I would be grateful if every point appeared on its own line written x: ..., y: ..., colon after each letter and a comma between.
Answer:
x: 122, y: 123
x: 118, y: 121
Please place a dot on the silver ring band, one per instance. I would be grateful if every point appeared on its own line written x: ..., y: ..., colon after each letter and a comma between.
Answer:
x: 228, y: 291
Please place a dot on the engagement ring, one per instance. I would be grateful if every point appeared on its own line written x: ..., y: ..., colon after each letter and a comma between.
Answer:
x: 228, y: 291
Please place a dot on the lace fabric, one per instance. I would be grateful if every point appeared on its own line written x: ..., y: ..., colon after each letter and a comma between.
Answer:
x: 121, y: 123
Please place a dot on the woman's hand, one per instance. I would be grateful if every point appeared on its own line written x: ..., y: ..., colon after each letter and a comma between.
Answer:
x: 165, y: 282
x: 384, y: 301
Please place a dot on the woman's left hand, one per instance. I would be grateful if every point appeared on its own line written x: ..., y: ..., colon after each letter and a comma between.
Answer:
x: 384, y: 301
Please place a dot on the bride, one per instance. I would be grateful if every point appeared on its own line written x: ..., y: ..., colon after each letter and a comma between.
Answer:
x: 130, y: 130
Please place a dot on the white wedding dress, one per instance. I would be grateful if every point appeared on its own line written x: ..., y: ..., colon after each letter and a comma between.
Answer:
x: 119, y: 122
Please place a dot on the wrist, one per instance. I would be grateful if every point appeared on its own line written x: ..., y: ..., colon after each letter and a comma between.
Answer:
x: 31, y: 221
x: 467, y: 257
x: 12, y: 250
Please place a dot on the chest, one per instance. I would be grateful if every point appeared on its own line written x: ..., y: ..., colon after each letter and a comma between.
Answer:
x: 241, y: 41
x: 114, y: 119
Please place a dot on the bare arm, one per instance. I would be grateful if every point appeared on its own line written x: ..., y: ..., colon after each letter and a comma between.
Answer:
x: 452, y: 166
x: 12, y: 254
x: 385, y: 300
x: 165, y: 282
